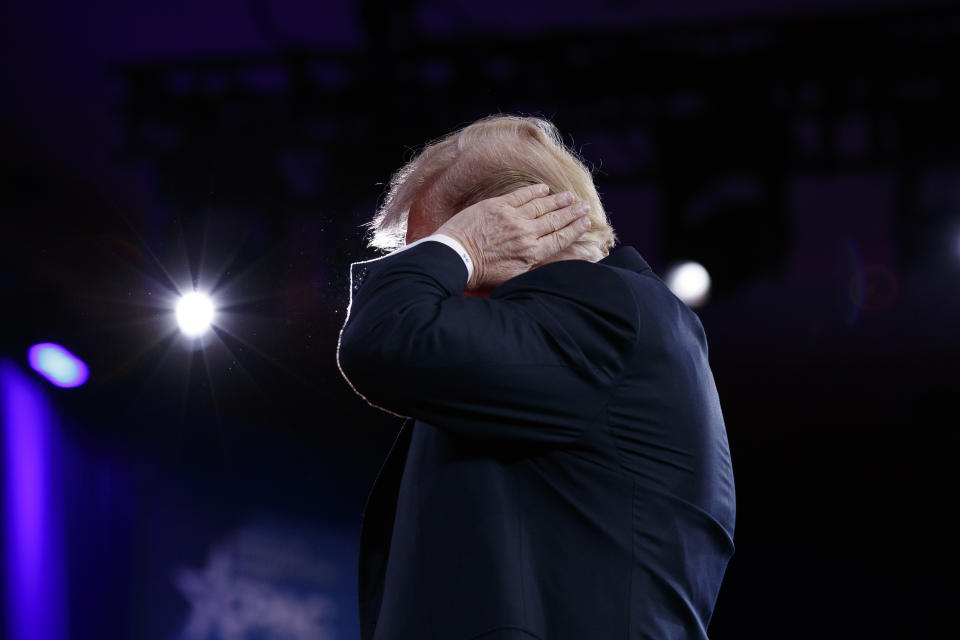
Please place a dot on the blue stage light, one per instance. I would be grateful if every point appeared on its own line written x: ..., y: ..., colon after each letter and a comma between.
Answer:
x: 57, y: 365
x: 194, y: 314
x: 33, y: 532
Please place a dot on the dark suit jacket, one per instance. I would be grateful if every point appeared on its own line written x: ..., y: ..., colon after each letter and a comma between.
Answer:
x: 566, y: 472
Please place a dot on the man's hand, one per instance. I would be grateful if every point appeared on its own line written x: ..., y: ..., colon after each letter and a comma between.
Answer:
x: 508, y: 234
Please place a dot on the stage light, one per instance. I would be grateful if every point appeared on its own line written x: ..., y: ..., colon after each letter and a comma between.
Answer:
x: 57, y: 365
x: 194, y: 314
x: 690, y: 282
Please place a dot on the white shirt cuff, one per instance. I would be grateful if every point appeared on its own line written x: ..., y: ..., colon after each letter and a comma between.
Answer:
x: 453, y: 244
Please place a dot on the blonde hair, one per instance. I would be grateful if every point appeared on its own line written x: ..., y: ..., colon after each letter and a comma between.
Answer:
x: 491, y: 157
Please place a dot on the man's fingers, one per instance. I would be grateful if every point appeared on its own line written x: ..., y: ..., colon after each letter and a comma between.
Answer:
x: 550, y: 222
x: 570, y: 230
x: 523, y: 195
x: 541, y: 206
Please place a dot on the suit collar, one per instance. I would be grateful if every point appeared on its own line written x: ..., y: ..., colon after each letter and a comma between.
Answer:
x: 626, y: 257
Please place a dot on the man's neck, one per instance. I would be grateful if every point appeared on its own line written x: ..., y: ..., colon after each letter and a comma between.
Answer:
x: 478, y: 293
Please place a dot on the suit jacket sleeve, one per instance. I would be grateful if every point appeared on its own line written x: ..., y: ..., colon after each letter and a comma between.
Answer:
x: 534, y: 361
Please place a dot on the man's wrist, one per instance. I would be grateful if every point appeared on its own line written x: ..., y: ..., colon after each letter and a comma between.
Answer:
x: 457, y: 246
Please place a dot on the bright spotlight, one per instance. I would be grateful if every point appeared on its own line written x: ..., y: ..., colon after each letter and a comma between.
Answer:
x: 57, y: 365
x: 194, y: 314
x: 690, y: 282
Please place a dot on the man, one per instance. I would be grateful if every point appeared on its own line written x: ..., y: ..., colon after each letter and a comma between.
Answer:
x: 566, y: 472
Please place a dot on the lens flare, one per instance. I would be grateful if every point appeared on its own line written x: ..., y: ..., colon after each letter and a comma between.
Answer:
x: 690, y: 282
x: 57, y: 365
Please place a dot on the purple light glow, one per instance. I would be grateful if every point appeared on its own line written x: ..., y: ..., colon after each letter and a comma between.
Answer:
x: 35, y: 599
x: 58, y: 365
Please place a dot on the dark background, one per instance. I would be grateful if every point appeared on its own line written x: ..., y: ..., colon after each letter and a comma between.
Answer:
x: 807, y: 153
